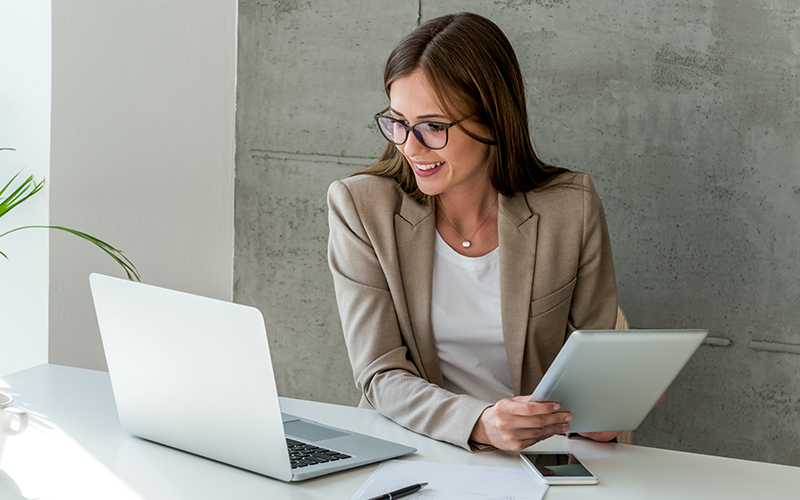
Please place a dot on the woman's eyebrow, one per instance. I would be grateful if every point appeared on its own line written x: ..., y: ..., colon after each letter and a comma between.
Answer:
x: 421, y: 118
x: 428, y: 117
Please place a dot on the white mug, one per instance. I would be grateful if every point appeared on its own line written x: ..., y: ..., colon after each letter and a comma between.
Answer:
x: 7, y: 414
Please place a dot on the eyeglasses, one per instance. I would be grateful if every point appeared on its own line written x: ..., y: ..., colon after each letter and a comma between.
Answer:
x: 432, y: 135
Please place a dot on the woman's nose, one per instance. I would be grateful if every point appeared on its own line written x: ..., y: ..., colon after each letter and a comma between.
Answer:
x: 412, y: 145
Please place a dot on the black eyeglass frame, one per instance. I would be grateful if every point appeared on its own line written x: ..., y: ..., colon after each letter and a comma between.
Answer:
x: 413, y: 129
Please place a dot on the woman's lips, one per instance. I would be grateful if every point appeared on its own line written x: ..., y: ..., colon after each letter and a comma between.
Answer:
x: 427, y: 169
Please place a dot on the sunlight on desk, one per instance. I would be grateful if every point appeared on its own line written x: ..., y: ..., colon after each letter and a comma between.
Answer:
x: 23, y: 463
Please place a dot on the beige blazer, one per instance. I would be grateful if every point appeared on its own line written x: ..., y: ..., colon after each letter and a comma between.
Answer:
x: 556, y: 276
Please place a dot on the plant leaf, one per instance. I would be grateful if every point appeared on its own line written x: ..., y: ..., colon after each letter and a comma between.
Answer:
x: 8, y: 185
x: 24, y: 191
x: 28, y: 188
x: 117, y: 255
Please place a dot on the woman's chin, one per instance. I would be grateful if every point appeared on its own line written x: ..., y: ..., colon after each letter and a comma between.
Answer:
x: 427, y: 186
x: 430, y: 191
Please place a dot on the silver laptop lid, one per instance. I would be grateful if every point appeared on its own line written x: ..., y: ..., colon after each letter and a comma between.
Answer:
x: 193, y: 373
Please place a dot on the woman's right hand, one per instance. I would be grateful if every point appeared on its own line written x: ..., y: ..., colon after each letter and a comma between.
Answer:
x: 514, y: 424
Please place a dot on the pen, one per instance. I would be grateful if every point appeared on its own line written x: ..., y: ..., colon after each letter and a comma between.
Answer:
x: 401, y: 492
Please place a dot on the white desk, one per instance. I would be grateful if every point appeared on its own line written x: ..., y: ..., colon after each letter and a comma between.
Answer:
x: 75, y: 449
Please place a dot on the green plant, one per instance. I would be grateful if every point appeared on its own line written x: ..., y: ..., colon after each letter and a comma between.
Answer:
x: 28, y: 188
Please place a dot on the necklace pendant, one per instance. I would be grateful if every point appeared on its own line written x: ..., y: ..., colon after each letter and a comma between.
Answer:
x: 466, y: 244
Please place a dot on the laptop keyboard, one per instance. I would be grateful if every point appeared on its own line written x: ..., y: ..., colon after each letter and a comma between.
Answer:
x: 304, y: 455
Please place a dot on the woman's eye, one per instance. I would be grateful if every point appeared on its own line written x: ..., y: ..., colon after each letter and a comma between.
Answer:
x: 436, y: 127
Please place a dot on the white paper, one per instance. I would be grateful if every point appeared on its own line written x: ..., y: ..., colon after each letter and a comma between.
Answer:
x: 453, y: 482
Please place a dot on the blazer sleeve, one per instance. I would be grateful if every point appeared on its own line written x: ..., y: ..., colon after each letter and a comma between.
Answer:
x: 382, y: 366
x: 594, y: 301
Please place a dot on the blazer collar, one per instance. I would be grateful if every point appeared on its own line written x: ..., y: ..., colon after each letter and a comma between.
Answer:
x: 517, y: 229
x: 413, y: 212
x: 516, y: 209
x: 415, y: 233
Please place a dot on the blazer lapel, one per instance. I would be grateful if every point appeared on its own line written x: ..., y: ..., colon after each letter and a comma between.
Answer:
x: 517, y: 231
x: 414, y: 230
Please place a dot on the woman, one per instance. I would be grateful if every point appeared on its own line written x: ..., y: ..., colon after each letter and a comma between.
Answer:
x: 461, y: 262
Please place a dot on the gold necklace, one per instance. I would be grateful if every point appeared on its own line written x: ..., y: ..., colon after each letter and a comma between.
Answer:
x: 467, y: 242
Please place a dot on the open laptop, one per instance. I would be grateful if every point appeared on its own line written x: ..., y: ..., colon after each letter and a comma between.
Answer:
x: 195, y: 374
x: 611, y: 379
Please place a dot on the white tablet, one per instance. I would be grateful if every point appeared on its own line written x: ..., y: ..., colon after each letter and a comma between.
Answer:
x: 611, y: 379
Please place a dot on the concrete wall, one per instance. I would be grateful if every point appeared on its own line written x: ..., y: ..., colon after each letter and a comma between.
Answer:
x: 143, y: 110
x: 685, y: 114
x: 24, y: 126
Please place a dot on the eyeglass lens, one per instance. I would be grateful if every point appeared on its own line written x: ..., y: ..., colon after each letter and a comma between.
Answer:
x: 431, y: 135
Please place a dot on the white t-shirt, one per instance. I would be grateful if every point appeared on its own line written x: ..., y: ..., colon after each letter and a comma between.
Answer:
x: 467, y: 323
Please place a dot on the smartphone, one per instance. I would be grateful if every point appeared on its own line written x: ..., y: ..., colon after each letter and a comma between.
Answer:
x: 558, y: 467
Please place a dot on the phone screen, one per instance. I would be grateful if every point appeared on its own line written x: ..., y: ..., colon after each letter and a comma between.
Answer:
x: 557, y: 465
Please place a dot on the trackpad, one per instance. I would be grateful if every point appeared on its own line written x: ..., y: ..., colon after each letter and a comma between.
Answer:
x: 310, y: 432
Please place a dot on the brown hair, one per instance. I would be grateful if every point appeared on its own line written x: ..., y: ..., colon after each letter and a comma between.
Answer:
x: 473, y: 71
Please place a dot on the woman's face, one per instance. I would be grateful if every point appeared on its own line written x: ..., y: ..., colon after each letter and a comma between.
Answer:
x: 458, y: 168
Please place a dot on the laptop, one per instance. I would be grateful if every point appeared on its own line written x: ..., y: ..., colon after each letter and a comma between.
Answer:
x: 611, y: 379
x: 195, y: 374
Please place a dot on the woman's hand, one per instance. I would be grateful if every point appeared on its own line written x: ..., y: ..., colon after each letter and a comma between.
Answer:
x: 601, y: 437
x: 514, y: 424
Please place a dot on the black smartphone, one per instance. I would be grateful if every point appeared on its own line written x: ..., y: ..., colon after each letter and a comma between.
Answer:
x: 558, y: 467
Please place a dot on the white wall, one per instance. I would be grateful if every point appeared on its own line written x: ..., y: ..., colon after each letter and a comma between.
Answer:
x: 142, y: 154
x: 25, y: 126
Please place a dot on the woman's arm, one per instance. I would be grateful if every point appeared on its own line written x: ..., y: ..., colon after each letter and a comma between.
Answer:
x: 594, y: 300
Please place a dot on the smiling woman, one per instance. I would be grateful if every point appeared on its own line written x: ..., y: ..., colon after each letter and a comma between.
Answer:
x: 461, y: 261
x: 459, y: 166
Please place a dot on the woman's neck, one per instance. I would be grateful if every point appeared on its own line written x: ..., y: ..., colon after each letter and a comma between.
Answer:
x: 468, y: 224
x: 466, y: 210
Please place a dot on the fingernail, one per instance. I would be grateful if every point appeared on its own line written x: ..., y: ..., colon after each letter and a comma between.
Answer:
x: 565, y: 428
x: 569, y: 417
x: 556, y: 407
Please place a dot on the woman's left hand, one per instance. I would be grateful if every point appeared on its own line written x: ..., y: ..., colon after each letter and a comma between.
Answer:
x: 601, y: 437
